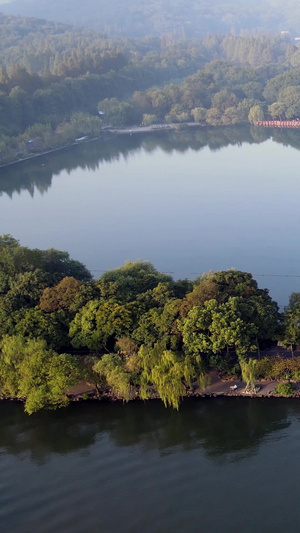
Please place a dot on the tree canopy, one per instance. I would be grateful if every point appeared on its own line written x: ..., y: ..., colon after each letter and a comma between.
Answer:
x: 135, y: 332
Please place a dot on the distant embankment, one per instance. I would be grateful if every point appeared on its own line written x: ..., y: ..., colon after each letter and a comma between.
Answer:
x: 278, y: 123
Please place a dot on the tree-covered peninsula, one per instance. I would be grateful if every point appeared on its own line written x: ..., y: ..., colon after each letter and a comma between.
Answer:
x: 133, y: 333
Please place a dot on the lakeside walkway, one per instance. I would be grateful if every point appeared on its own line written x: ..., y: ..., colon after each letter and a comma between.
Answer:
x: 218, y: 386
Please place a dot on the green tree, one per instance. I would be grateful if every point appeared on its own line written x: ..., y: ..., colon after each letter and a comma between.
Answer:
x: 199, y: 114
x: 112, y: 368
x: 256, y: 114
x: 216, y: 327
x: 29, y: 370
x: 25, y: 289
x: 52, y: 327
x: 248, y: 369
x: 291, y: 335
x: 214, y: 117
x: 149, y: 119
x: 264, y: 313
x: 16, y: 259
x: 166, y: 371
x: 224, y: 99
x: 277, y: 110
x: 117, y: 113
x: 134, y: 278
x: 98, y: 324
x: 289, y: 97
x: 294, y: 299
x: 60, y: 296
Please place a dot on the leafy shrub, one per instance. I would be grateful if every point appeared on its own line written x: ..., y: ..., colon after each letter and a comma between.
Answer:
x: 278, y: 368
x: 223, y: 363
x: 285, y: 368
x: 235, y: 370
x: 85, y: 396
x: 264, y: 368
x: 285, y: 389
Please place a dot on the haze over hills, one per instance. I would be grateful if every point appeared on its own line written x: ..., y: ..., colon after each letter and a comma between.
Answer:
x: 55, y: 79
x: 188, y: 18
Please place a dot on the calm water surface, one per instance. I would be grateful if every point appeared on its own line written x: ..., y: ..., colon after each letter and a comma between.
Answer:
x: 188, y: 202
x: 216, y: 465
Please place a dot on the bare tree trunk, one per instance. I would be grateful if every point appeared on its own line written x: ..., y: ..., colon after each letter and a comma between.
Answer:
x: 98, y: 390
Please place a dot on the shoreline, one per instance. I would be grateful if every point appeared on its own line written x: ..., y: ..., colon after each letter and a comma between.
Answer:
x: 112, y: 131
x: 40, y: 154
x: 218, y: 388
x: 83, y: 392
x: 206, y: 395
x: 131, y: 130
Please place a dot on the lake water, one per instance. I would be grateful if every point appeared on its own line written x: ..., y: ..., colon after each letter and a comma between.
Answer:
x: 187, y: 201
x: 216, y: 465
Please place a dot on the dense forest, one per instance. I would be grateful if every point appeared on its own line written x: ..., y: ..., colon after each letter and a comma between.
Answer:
x: 59, y: 83
x: 133, y: 333
x: 189, y: 19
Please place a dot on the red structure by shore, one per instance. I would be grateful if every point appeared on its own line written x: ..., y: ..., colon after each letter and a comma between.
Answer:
x: 278, y: 123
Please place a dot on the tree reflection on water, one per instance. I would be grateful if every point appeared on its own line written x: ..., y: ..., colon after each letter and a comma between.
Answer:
x: 36, y: 174
x: 225, y: 429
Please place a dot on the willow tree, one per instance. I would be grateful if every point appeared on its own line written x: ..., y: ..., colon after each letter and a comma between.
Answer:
x: 112, y: 368
x: 168, y: 373
x: 30, y: 371
x: 256, y: 114
x: 248, y: 369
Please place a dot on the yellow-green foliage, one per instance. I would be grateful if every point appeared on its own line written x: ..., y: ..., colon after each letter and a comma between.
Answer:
x: 167, y: 378
x: 285, y: 389
x: 248, y: 369
x: 166, y: 371
x: 278, y: 368
x: 285, y: 368
x: 264, y: 367
x: 29, y: 370
x: 203, y: 381
x: 112, y: 368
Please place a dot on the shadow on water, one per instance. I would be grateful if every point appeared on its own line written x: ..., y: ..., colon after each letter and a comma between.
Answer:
x: 36, y: 174
x: 225, y: 429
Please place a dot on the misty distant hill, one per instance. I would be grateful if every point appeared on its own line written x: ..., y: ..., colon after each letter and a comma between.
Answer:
x: 185, y: 18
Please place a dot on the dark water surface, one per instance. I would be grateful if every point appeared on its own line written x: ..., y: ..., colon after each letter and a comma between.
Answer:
x: 187, y: 201
x: 216, y: 465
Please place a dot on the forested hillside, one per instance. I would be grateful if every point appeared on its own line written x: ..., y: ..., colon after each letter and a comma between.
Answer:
x: 54, y: 79
x: 191, y: 18
x: 45, y: 47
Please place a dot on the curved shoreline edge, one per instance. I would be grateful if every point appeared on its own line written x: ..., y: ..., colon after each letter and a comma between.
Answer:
x: 111, y: 131
x: 53, y: 150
